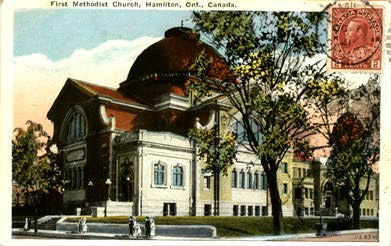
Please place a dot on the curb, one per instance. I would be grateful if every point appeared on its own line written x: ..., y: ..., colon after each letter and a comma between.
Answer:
x: 297, y: 236
x: 68, y: 235
x: 92, y: 236
x: 328, y: 234
x: 99, y: 236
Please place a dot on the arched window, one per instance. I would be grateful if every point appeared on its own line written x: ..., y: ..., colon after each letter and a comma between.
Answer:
x: 177, y: 176
x: 241, y: 179
x: 234, y: 183
x: 263, y: 182
x: 241, y: 134
x: 75, y: 125
x: 249, y: 180
x: 256, y: 181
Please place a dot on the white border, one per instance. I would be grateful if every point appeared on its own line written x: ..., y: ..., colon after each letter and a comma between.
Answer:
x: 6, y: 117
x: 6, y: 124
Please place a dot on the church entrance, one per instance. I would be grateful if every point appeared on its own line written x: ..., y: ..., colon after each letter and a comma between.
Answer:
x: 126, y: 182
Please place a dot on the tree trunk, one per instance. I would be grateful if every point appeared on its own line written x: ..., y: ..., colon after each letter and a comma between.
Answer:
x: 356, y: 215
x: 216, y: 193
x: 35, y: 219
x: 275, y: 201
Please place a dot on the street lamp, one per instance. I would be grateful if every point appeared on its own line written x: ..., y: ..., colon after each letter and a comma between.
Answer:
x: 321, y: 228
x: 90, y: 184
x: 108, y: 183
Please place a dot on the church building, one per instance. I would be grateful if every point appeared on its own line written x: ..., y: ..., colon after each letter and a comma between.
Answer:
x: 126, y: 150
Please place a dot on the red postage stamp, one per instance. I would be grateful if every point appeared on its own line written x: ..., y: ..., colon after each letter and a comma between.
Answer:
x: 356, y: 39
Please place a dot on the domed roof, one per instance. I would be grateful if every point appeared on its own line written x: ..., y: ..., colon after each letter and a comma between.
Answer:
x: 175, y: 53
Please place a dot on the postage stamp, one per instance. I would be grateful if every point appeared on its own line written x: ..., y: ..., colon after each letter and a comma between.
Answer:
x: 356, y: 39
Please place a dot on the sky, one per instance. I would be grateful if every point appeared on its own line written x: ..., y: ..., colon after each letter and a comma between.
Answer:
x: 57, y: 33
x: 98, y: 46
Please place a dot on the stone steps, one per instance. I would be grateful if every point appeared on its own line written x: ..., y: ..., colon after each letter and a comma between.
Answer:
x: 49, y: 224
x: 115, y: 208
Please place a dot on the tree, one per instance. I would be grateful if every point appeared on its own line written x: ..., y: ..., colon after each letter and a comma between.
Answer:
x: 217, y: 151
x: 35, y: 174
x: 355, y: 146
x: 273, y: 77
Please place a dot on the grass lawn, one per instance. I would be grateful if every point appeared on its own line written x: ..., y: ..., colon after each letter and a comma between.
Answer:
x: 229, y: 226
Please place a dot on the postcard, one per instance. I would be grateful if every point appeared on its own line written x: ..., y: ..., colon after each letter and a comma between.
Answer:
x: 195, y: 122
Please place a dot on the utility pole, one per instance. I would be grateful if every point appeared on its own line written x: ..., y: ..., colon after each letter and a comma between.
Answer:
x: 217, y: 164
x: 116, y: 178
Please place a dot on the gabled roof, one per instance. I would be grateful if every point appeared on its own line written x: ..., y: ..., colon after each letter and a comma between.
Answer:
x: 98, y: 91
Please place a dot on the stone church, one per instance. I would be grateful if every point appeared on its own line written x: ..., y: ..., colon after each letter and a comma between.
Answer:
x: 125, y: 150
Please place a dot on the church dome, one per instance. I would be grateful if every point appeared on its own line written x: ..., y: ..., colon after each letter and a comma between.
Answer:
x: 174, y: 54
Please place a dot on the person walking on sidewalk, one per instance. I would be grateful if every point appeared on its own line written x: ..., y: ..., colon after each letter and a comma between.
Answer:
x: 147, y: 227
x: 27, y: 224
x: 153, y: 230
x: 132, y: 223
x: 80, y: 225
x: 85, y: 228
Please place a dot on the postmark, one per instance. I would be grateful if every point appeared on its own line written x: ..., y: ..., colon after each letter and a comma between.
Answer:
x: 356, y: 39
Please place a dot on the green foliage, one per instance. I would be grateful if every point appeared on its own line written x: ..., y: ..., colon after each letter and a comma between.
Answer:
x: 30, y: 171
x: 355, y: 145
x: 355, y: 142
x: 269, y: 77
x: 352, y: 161
x: 200, y: 90
x: 274, y: 77
x: 216, y: 151
x: 349, y: 162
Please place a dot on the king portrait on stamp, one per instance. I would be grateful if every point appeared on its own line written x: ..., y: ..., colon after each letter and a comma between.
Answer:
x: 356, y: 39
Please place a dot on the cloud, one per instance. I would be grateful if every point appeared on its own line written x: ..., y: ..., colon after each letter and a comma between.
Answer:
x: 38, y: 80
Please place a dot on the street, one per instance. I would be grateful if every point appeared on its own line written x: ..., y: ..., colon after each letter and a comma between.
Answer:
x: 354, y: 237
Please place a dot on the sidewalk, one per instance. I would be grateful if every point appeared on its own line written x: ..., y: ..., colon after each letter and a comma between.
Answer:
x: 309, y: 236
x: 95, y: 235
x: 92, y: 235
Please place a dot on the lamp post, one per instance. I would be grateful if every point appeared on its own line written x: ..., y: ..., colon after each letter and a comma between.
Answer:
x: 116, y: 178
x: 108, y: 183
x: 90, y: 184
x: 321, y: 226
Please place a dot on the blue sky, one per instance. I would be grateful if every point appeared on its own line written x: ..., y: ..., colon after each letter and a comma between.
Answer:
x: 57, y: 33
x: 98, y: 46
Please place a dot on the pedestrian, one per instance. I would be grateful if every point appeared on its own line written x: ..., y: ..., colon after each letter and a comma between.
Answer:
x: 80, y: 225
x: 153, y: 231
x: 147, y: 227
x: 137, y: 230
x: 85, y: 228
x: 131, y: 222
x: 27, y: 224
